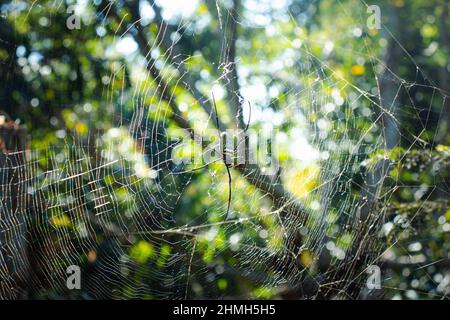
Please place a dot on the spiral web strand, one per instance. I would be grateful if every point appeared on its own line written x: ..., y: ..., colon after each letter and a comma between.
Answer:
x: 114, y: 204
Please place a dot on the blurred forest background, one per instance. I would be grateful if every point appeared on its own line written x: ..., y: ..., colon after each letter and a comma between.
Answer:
x: 113, y: 84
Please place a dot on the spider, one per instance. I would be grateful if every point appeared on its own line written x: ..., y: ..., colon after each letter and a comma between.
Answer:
x: 225, y: 152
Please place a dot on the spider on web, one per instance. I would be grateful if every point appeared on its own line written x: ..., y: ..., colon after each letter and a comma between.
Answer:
x: 224, y: 153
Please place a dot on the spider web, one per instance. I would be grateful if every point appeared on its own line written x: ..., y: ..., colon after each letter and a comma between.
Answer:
x: 142, y: 224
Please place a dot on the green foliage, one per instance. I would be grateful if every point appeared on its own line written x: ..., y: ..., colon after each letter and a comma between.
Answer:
x: 74, y: 86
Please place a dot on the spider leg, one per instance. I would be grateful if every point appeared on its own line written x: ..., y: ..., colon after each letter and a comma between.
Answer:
x: 197, y: 168
x: 224, y: 159
x: 229, y: 190
x: 249, y: 116
x: 215, y: 109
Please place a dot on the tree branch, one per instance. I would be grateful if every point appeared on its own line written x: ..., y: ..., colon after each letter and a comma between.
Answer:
x: 230, y: 78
